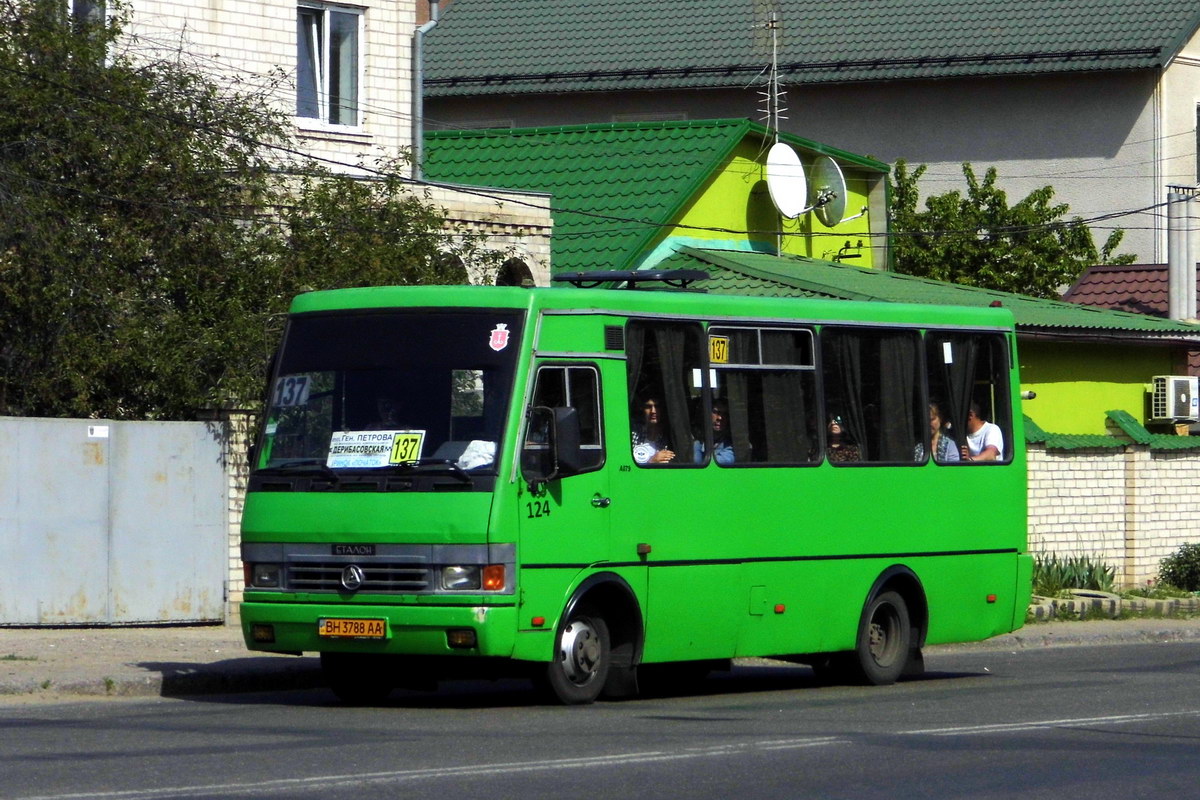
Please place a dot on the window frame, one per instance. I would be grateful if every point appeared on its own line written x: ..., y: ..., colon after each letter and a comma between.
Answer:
x: 761, y: 365
x: 321, y: 63
x: 597, y: 398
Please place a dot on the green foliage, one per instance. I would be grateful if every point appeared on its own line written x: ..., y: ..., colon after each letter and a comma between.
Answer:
x: 150, y: 236
x: 1182, y: 568
x: 1053, y: 576
x: 980, y: 240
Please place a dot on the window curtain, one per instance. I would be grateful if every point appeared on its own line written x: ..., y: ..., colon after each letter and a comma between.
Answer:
x: 844, y: 354
x: 898, y: 397
x: 784, y: 412
x: 676, y: 375
x: 635, y: 342
x: 959, y: 379
x: 737, y: 393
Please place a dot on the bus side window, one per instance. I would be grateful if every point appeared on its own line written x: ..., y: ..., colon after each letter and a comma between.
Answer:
x: 576, y: 387
x: 664, y: 362
x: 968, y: 381
x: 874, y: 411
x: 766, y: 381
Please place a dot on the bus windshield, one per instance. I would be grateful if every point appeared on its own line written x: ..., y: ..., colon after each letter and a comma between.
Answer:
x: 390, y: 392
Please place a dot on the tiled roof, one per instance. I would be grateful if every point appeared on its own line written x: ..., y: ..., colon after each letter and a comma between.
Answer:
x: 738, y: 272
x: 531, y: 46
x: 1139, y: 288
x: 1125, y: 422
x: 612, y: 187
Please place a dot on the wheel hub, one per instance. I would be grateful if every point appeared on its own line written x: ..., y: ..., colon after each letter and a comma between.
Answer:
x: 580, y: 651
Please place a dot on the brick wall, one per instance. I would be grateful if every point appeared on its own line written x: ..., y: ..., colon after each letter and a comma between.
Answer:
x: 1128, y: 507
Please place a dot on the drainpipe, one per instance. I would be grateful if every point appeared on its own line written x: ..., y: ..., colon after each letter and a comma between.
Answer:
x: 1175, y: 254
x: 418, y: 91
x: 1189, y: 249
x: 1181, y: 252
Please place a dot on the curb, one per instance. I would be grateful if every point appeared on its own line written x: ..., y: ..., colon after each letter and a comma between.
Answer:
x: 235, y: 676
x: 1087, y: 604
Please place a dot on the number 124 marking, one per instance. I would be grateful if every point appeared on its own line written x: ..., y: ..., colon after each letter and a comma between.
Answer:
x: 537, y: 508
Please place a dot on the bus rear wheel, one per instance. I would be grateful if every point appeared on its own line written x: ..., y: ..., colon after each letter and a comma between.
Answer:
x: 884, y: 639
x: 582, y: 659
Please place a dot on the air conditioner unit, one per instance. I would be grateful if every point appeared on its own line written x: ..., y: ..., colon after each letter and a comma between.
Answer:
x: 1174, y: 398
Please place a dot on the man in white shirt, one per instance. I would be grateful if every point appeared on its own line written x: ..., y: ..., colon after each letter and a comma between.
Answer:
x: 985, y: 440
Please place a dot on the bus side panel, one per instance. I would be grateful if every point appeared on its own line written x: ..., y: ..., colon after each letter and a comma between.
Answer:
x: 970, y: 598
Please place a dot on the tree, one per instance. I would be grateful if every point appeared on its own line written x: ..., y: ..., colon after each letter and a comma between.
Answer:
x: 146, y: 257
x: 980, y: 240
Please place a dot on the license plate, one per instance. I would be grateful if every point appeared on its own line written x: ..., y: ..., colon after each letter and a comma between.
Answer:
x: 352, y: 628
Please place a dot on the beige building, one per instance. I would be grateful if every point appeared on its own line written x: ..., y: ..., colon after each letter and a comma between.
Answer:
x: 345, y: 74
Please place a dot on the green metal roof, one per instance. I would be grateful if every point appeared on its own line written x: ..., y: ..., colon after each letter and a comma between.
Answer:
x: 740, y: 272
x: 534, y: 46
x: 613, y: 187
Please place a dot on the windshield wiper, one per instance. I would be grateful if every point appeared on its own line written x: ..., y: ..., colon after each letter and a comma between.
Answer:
x: 438, y: 465
x: 308, y: 466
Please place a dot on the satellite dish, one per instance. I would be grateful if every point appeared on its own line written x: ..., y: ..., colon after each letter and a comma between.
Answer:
x: 786, y: 181
x: 828, y: 189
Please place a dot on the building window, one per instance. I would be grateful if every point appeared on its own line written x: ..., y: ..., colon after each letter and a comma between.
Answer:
x: 89, y: 12
x: 328, y: 55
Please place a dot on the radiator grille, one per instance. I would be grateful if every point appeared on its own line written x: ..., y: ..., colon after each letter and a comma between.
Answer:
x: 378, y: 577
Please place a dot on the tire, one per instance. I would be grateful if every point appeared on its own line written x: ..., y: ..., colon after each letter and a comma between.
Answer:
x: 582, y: 659
x: 356, y: 679
x: 884, y: 640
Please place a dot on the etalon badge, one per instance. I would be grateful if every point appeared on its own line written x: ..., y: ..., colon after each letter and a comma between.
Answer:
x: 352, y: 578
x: 499, y: 339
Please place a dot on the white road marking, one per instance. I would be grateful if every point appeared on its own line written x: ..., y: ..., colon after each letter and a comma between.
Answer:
x: 329, y: 781
x: 972, y: 730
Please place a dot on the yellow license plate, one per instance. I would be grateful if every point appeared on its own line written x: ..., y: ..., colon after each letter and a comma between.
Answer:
x: 352, y: 628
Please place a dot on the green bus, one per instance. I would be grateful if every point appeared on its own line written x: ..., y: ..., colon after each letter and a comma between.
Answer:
x: 581, y: 484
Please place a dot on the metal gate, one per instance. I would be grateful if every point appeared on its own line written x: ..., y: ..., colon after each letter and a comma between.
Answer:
x: 111, y: 523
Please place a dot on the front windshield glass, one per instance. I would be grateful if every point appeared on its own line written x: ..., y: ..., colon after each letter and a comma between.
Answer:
x: 392, y: 391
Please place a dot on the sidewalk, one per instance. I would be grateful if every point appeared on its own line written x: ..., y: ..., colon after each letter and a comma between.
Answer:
x: 56, y: 663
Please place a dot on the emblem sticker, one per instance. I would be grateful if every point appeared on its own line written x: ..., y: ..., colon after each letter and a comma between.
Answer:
x: 499, y: 339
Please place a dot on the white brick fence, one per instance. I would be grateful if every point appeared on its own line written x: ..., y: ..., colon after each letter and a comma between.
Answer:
x: 1127, y: 506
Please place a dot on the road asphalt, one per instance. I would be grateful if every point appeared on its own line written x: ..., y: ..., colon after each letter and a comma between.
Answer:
x: 46, y: 664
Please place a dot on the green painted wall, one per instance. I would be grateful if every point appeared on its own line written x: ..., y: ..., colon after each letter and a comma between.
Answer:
x: 735, y: 198
x: 1077, y: 383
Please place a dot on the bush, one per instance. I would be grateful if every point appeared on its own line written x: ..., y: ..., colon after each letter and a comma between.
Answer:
x: 1182, y: 569
x: 1052, y: 576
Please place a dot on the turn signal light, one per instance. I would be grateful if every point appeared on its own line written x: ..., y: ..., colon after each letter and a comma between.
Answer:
x: 493, y: 577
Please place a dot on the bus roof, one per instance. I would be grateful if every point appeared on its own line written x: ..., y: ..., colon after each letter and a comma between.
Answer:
x: 650, y: 302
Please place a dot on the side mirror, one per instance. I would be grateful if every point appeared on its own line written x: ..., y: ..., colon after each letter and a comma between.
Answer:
x: 551, y: 448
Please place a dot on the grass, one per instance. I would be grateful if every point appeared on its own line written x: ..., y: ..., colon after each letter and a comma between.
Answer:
x: 15, y: 657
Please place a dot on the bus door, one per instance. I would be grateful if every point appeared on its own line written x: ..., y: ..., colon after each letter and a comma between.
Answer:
x: 562, y: 507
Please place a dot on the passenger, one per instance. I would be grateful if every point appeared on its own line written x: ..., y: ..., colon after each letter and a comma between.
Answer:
x: 650, y: 442
x: 722, y: 445
x: 387, y: 410
x: 837, y: 450
x: 985, y: 440
x: 943, y: 447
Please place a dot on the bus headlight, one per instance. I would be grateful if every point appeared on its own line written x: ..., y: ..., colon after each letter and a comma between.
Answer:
x: 460, y: 577
x: 262, y: 576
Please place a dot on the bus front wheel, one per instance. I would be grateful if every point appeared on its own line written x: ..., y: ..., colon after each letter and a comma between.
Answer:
x: 884, y: 637
x: 581, y: 662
